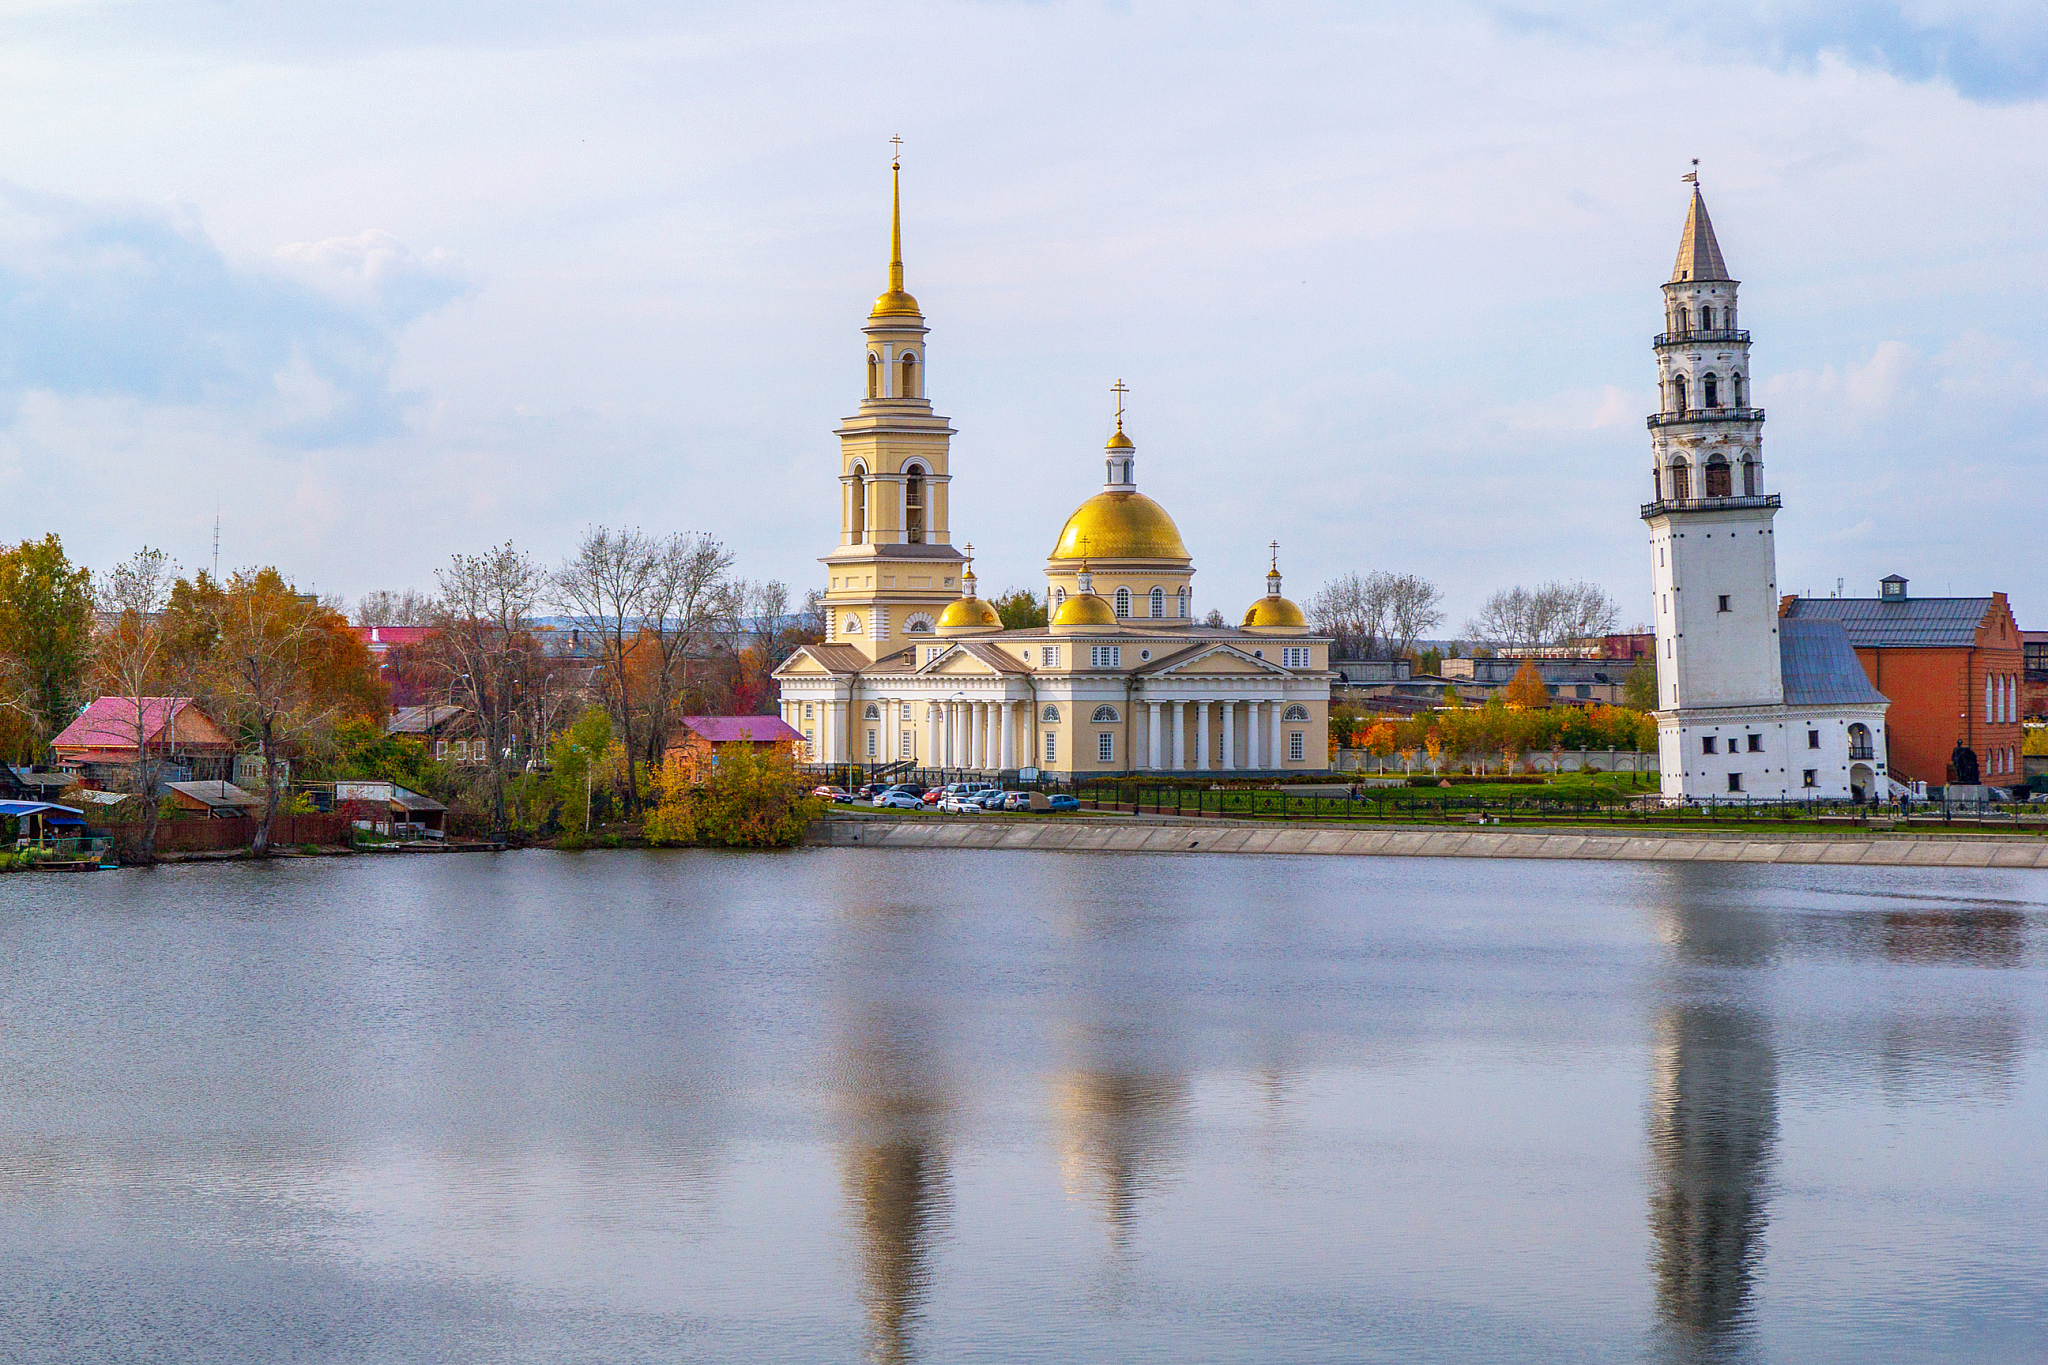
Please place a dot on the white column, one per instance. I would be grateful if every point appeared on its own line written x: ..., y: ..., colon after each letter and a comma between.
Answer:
x: 1279, y: 754
x: 1251, y: 734
x: 1201, y: 736
x: 956, y: 735
x: 1229, y: 739
x: 1153, y: 707
x: 1180, y: 735
x: 1009, y: 734
x: 980, y: 722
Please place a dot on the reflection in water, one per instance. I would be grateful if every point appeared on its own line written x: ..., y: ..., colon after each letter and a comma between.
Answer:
x: 1713, y: 1122
x: 1974, y: 935
x: 1119, y: 1132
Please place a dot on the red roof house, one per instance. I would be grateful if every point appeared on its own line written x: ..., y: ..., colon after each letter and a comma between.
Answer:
x: 701, y: 738
x: 105, y: 741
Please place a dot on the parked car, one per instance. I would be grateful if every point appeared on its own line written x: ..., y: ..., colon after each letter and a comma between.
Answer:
x: 1060, y: 801
x: 899, y: 801
x: 961, y: 805
x: 1016, y: 800
x: 913, y: 788
x: 867, y: 791
x: 837, y: 794
x: 934, y: 795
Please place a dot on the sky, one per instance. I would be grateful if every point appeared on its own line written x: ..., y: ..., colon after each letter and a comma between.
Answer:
x: 383, y: 282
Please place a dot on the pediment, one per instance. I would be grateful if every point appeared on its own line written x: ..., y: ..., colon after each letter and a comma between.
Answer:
x: 956, y: 662
x: 1220, y: 658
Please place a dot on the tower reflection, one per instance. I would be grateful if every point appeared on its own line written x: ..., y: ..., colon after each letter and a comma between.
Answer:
x: 1713, y: 1119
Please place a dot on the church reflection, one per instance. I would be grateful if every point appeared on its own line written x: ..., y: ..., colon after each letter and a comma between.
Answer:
x: 1713, y: 1120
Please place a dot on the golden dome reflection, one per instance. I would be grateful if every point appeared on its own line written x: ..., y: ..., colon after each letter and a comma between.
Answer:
x: 1116, y: 524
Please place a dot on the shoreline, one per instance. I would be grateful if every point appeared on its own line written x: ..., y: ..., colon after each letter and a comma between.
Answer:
x: 1861, y: 848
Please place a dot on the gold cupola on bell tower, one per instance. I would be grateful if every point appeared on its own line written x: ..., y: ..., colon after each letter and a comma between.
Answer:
x: 895, y: 569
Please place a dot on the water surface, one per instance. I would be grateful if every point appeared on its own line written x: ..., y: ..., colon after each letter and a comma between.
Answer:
x: 855, y: 1104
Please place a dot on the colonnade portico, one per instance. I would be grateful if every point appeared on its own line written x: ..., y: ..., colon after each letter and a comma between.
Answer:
x: 1229, y: 734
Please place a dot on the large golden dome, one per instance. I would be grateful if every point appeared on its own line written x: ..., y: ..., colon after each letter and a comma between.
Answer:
x: 969, y: 613
x: 1084, y: 609
x: 1118, y: 524
x: 1274, y: 612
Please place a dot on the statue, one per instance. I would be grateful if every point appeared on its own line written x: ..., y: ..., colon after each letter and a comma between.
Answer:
x: 1963, y: 763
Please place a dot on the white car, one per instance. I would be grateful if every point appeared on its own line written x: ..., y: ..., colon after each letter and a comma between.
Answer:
x: 960, y: 805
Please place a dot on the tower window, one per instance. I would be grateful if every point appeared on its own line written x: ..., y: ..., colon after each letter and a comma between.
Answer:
x: 1678, y: 392
x: 1735, y: 389
x: 909, y: 377
x: 1709, y: 744
x: 1813, y: 739
x: 1123, y: 603
x: 1183, y: 604
x: 1724, y: 602
x: 859, y: 525
x: 913, y: 506
x: 1711, y: 386
x: 1158, y: 603
x: 1735, y: 782
x: 874, y: 376
x: 1756, y: 744
x: 1681, y: 482
x: 1719, y: 482
x: 1749, y: 475
x: 1707, y: 324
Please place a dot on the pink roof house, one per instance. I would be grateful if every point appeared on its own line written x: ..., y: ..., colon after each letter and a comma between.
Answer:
x: 703, y: 736
x: 108, y: 734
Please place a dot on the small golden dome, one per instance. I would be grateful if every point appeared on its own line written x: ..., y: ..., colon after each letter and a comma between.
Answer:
x: 1084, y: 609
x: 1116, y: 524
x: 895, y: 304
x: 1274, y: 612
x: 969, y: 613
x: 1120, y: 441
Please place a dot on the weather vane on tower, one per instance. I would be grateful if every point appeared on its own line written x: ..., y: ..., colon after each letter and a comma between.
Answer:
x: 1693, y: 175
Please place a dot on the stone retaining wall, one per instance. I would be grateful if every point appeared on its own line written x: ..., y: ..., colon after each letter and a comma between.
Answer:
x: 1217, y: 837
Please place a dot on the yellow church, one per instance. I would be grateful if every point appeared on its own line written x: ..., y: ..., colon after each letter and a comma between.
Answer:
x: 916, y: 667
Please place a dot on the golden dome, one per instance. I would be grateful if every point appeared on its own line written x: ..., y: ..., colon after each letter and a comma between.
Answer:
x: 1274, y: 612
x: 1084, y: 609
x: 1120, y: 525
x: 1120, y: 441
x: 969, y: 613
x: 895, y: 304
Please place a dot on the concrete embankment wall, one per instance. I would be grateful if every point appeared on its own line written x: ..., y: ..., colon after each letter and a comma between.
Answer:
x: 1126, y: 836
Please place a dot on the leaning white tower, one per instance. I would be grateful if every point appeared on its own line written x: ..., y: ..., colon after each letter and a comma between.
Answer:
x: 1738, y: 716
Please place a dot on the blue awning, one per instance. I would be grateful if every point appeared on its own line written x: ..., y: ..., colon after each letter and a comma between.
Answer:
x: 17, y: 809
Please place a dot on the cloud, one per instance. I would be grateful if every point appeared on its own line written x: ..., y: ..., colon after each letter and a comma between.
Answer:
x: 123, y: 301
x: 1995, y: 52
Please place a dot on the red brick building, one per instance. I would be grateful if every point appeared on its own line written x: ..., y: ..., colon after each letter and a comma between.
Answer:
x: 1953, y: 668
x: 2034, y: 691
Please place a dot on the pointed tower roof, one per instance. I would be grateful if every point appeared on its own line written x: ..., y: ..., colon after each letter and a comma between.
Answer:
x: 895, y: 302
x: 1699, y: 255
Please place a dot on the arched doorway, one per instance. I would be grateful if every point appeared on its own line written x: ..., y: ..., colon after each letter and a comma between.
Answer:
x: 1862, y: 783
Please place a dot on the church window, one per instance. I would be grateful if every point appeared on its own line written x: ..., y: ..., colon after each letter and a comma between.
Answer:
x: 1052, y: 749
x: 1987, y: 699
x: 873, y: 712
x: 852, y: 626
x: 1296, y: 713
x: 917, y: 623
x: 1105, y: 656
x: 1710, y: 389
x: 872, y: 745
x: 1105, y: 715
x: 1183, y: 604
x: 1050, y: 715
x: 1294, y: 656
x: 909, y: 389
x: 1297, y: 747
x: 1707, y: 322
x: 1105, y: 747
x: 1123, y: 603
x: 874, y: 376
x: 913, y: 505
x: 860, y: 506
x: 1059, y: 595
x: 1678, y: 392
x: 1048, y: 656
x: 1681, y: 482
x: 807, y: 711
x: 1158, y: 602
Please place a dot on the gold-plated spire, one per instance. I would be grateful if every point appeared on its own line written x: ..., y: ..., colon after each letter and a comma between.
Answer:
x: 896, y: 303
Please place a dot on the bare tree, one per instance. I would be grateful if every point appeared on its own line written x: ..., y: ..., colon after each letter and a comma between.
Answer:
x: 485, y: 652
x: 1376, y: 615
x: 136, y: 664
x: 387, y: 608
x: 688, y: 594
x: 606, y: 586
x: 1415, y: 607
x: 1552, y: 614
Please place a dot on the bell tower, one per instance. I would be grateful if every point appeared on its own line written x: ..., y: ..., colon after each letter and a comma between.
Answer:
x: 895, y: 568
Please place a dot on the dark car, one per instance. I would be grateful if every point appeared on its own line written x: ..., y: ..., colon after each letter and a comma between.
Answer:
x: 1061, y: 801
x: 909, y: 788
x: 993, y: 800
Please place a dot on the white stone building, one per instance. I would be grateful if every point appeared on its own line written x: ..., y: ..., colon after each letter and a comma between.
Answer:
x: 1751, y: 707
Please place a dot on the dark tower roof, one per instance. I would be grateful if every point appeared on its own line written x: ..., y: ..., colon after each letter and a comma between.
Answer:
x: 1699, y: 255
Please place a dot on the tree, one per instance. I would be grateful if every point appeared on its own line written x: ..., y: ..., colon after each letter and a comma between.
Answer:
x: 485, y: 652
x: 1376, y: 615
x: 1526, y: 690
x: 1213, y: 619
x: 1639, y: 693
x: 386, y: 608
x: 1552, y: 614
x: 1379, y: 741
x: 606, y: 584
x: 1020, y: 609
x: 46, y: 618
x: 750, y: 798
x: 1430, y: 662
x: 134, y: 661
x: 576, y: 756
x: 1414, y: 608
x: 275, y: 664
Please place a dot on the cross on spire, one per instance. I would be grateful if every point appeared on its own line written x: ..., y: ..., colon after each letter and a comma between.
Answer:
x: 896, y: 160
x: 1119, y: 389
x: 1276, y: 556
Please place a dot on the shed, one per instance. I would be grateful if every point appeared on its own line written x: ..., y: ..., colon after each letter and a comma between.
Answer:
x: 389, y: 809
x: 218, y: 800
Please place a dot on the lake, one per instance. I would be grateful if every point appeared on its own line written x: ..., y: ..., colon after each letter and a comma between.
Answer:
x: 854, y: 1104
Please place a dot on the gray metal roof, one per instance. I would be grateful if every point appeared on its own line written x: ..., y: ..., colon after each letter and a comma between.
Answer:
x: 1915, y: 623
x: 1819, y: 667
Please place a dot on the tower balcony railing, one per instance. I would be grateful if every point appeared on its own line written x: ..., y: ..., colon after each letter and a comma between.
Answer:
x: 1864, y: 752
x: 1672, y: 419
x: 1724, y: 337
x: 1663, y: 505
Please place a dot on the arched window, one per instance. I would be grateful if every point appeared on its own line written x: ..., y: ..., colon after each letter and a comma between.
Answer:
x: 1710, y: 392
x: 1735, y: 389
x: 852, y: 626
x: 1183, y: 604
x: 1050, y: 715
x: 913, y: 504
x: 1059, y: 595
x: 909, y: 389
x: 1296, y: 713
x: 874, y: 376
x: 918, y: 624
x: 1706, y: 319
x: 860, y: 506
x: 1681, y: 481
x: 1123, y: 603
x: 873, y: 712
x: 1718, y: 484
x: 1104, y: 715
x: 1678, y: 392
x: 1158, y: 603
x: 1749, y: 478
